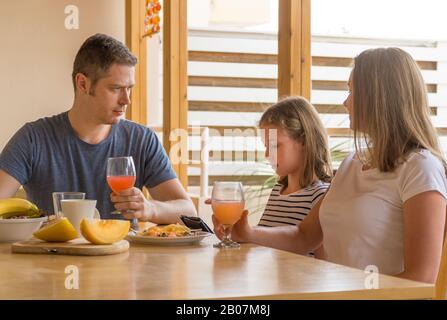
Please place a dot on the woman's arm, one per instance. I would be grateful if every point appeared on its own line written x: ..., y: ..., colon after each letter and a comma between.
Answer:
x: 424, y: 221
x: 302, y: 239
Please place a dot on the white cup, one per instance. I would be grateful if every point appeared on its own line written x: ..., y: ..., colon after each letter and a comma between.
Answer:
x: 59, y: 196
x: 76, y: 210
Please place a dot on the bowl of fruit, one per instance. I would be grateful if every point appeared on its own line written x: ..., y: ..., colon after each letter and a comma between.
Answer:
x: 19, y: 218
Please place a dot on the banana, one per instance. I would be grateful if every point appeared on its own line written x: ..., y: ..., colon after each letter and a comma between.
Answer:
x: 16, y: 206
x: 28, y: 214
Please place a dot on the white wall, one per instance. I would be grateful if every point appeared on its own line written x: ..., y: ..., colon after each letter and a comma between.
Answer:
x: 37, y: 53
x: 155, y: 81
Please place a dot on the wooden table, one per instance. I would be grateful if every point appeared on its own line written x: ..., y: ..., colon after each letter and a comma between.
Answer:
x: 193, y: 272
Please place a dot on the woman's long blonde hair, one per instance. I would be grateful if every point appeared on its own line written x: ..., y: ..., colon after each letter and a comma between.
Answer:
x: 391, y: 112
x: 301, y: 122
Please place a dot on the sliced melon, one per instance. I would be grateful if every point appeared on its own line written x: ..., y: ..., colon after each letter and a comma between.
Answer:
x: 57, y: 230
x: 104, y: 231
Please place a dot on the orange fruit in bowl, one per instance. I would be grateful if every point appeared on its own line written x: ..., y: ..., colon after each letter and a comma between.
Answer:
x: 104, y: 231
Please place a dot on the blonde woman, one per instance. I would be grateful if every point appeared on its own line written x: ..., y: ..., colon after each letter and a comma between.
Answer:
x: 387, y: 203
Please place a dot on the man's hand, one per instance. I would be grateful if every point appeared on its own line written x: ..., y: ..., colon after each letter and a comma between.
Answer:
x: 168, y: 202
x: 133, y: 204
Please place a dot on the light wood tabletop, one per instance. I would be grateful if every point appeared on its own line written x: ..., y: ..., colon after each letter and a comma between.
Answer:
x: 192, y: 272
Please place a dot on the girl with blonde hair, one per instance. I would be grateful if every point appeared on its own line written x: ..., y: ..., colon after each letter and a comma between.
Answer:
x: 386, y: 205
x: 297, y: 148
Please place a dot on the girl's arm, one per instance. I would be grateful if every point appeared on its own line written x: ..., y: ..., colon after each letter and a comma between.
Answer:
x: 424, y: 221
x: 302, y: 239
x: 320, y: 253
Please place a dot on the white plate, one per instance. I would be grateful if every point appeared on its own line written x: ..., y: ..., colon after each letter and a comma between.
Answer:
x: 166, y: 241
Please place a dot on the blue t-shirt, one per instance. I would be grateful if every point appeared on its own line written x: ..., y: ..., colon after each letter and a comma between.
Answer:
x: 47, y: 156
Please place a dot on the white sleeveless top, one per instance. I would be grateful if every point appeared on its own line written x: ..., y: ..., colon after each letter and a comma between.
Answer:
x: 362, y: 213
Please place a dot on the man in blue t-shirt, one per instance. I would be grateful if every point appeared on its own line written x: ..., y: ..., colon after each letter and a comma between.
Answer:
x: 69, y: 151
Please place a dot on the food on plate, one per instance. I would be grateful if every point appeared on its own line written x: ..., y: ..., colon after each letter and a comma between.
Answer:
x: 57, y: 230
x: 169, y: 231
x: 104, y: 231
x: 17, y: 208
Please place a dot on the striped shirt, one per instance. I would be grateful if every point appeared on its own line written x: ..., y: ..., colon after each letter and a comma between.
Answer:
x: 292, y: 208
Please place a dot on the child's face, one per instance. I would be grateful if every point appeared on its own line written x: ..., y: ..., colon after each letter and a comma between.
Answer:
x: 284, y: 153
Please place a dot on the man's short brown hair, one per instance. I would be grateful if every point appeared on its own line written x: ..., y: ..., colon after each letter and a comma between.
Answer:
x: 97, y: 54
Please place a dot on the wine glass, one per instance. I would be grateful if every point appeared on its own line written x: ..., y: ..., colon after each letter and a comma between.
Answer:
x: 227, y: 201
x: 121, y: 175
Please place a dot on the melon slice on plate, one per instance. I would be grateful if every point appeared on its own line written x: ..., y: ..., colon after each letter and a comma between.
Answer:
x: 57, y: 230
x: 104, y: 231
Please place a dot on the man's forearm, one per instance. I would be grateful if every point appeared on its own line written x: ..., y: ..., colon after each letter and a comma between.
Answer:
x: 8, y: 185
x: 167, y: 212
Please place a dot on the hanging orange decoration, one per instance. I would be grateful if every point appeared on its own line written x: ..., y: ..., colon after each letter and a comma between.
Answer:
x: 152, y: 19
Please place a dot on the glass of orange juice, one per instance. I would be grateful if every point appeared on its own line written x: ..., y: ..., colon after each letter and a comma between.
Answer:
x: 121, y: 175
x: 228, y: 203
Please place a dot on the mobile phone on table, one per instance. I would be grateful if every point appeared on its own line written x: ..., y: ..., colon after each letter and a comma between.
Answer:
x: 195, y: 223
